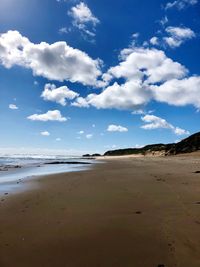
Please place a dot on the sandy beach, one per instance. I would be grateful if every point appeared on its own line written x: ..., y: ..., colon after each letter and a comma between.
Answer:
x: 137, y: 212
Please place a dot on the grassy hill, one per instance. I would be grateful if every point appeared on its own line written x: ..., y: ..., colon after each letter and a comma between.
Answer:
x: 187, y: 145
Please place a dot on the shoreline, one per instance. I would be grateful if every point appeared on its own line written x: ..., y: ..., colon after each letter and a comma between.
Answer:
x: 14, y: 176
x: 133, y: 212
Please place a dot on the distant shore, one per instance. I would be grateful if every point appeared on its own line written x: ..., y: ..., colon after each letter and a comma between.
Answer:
x: 149, y: 155
x: 128, y: 211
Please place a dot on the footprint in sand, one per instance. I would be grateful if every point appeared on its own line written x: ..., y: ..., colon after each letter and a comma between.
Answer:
x: 160, y: 180
x: 171, y: 247
x: 138, y: 212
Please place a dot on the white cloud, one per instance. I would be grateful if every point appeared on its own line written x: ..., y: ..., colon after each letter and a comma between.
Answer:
x: 58, y: 95
x: 141, y: 112
x: 179, y: 92
x: 57, y: 61
x: 147, y: 74
x: 45, y: 133
x: 116, y: 128
x: 83, y: 18
x: 58, y: 139
x: 82, y: 14
x: 180, y: 32
x: 126, y: 96
x: 172, y: 42
x: 178, y: 35
x: 81, y: 132
x: 81, y: 103
x: 135, y: 37
x: 138, y: 146
x: 51, y: 115
x: 140, y: 68
x: 151, y: 64
x: 154, y: 40
x: 63, y: 30
x: 89, y: 136
x: 179, y: 131
x: 154, y: 122
x: 13, y: 106
x: 180, y: 4
x: 138, y: 112
x: 164, y: 21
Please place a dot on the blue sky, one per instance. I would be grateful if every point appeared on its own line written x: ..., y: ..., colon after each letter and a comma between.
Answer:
x: 88, y: 76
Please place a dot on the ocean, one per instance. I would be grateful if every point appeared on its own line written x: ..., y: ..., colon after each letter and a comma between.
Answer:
x: 17, y: 168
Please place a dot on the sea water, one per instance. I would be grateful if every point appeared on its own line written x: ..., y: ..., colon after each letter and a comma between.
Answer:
x: 14, y: 169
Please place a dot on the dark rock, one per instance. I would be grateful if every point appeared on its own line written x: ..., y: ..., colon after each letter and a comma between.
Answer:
x: 91, y: 156
x: 66, y: 162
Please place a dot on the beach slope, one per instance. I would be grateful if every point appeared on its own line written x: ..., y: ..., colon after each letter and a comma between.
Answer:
x: 137, y: 212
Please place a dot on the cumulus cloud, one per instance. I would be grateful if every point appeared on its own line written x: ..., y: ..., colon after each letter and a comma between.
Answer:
x: 178, y: 35
x: 154, y: 122
x: 57, y: 61
x: 51, y: 115
x: 83, y: 19
x: 141, y: 68
x: 179, y: 92
x: 45, y: 133
x: 180, y: 4
x: 149, y: 64
x: 82, y: 14
x: 142, y: 75
x: 125, y: 96
x: 116, y: 128
x: 81, y: 102
x: 58, y: 95
x: 13, y: 106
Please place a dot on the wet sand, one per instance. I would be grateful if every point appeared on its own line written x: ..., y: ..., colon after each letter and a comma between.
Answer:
x: 137, y: 212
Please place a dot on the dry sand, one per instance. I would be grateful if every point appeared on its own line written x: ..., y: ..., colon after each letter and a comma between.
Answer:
x: 137, y: 212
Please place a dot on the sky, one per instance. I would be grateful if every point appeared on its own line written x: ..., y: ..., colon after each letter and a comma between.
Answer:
x: 89, y: 76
